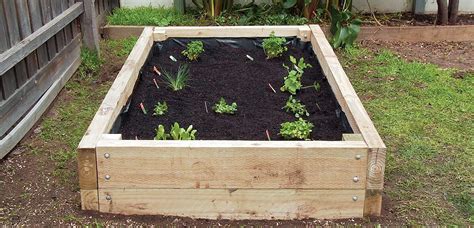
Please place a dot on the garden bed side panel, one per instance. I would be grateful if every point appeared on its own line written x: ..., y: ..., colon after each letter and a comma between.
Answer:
x: 357, y: 116
x: 105, y: 117
x: 233, y: 179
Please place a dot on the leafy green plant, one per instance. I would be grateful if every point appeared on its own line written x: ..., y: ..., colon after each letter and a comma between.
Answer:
x: 90, y: 63
x: 274, y: 46
x: 176, y: 133
x: 178, y: 81
x: 213, y: 8
x: 160, y: 109
x: 193, y: 50
x: 294, y: 106
x: 292, y: 81
x: 299, y: 129
x: 223, y: 108
x: 344, y: 25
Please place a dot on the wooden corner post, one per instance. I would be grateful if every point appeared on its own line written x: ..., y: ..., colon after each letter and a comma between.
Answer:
x: 358, y: 119
x: 89, y: 25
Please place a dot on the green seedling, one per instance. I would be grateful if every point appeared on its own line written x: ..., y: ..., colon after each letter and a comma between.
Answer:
x: 223, y: 108
x: 178, y: 81
x: 193, y: 50
x: 315, y: 85
x: 160, y: 109
x: 294, y: 106
x: 274, y: 46
x: 292, y: 81
x: 176, y: 133
x: 299, y: 129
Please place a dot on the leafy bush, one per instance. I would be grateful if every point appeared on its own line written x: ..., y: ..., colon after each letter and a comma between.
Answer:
x: 90, y: 63
x: 178, y: 81
x: 160, y: 109
x: 176, y: 133
x: 344, y: 25
x: 299, y: 129
x: 294, y: 106
x: 274, y: 46
x: 223, y: 108
x: 193, y: 50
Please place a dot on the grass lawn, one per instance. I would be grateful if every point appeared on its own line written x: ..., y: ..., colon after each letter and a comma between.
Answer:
x: 424, y: 114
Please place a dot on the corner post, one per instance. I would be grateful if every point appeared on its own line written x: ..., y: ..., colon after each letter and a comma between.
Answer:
x: 90, y: 31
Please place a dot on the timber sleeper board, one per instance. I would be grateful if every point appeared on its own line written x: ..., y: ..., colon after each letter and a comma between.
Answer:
x: 233, y: 179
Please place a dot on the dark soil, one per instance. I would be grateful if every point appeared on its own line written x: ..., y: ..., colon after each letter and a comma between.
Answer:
x: 225, y: 71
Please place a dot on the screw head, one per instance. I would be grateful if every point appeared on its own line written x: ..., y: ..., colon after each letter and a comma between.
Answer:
x: 107, y: 155
x: 355, y: 198
x: 358, y: 157
x: 108, y: 197
x: 107, y: 177
x: 355, y: 179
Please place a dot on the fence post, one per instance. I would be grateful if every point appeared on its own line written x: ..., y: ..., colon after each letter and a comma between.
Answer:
x: 90, y: 31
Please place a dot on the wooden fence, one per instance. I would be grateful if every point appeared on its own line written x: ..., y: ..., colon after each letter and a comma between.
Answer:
x: 40, y: 43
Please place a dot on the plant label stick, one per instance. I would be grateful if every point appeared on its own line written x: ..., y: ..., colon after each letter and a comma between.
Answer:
x: 173, y: 58
x: 268, y: 135
x: 156, y: 83
x: 271, y: 87
x: 250, y: 57
x: 205, y: 105
x: 156, y: 70
x: 143, y: 108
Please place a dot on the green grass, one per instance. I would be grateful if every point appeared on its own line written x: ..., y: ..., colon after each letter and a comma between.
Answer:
x: 425, y: 116
x: 73, y: 112
x: 148, y: 16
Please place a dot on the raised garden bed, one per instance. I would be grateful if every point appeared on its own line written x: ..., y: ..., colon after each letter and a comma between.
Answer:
x: 232, y: 171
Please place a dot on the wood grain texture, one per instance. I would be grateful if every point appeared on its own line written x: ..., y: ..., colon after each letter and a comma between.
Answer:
x: 89, y: 25
x: 87, y: 166
x: 90, y: 200
x: 234, y: 203
x: 352, y: 137
x: 119, y: 91
x: 354, y: 110
x: 231, y: 164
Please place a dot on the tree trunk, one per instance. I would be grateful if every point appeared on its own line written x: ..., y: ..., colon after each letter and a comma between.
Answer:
x: 453, y: 11
x: 442, y: 12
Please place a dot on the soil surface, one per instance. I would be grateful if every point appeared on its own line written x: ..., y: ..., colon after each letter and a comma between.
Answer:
x: 410, y: 19
x: 225, y: 71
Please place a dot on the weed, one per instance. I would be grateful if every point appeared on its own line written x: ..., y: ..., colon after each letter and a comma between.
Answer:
x: 176, y: 133
x: 193, y: 50
x: 149, y: 16
x: 223, y: 108
x: 299, y: 129
x: 274, y: 46
x: 178, y: 81
x: 90, y: 63
x: 160, y: 109
x: 122, y: 47
x: 294, y: 106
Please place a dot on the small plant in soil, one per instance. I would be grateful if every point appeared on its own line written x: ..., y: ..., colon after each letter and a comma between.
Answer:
x: 299, y: 129
x: 160, y: 109
x: 193, y: 50
x: 177, y: 81
x: 274, y: 46
x: 294, y: 106
x: 292, y: 81
x: 223, y: 108
x: 176, y: 133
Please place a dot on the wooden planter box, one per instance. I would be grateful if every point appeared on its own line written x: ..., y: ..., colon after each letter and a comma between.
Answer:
x: 233, y: 179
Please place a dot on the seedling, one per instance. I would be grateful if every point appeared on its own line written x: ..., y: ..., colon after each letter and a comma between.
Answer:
x: 274, y: 46
x: 193, y: 50
x: 293, y: 80
x: 178, y: 81
x: 160, y: 109
x: 142, y: 107
x: 223, y: 108
x: 176, y: 133
x: 294, y: 105
x: 315, y: 85
x: 299, y: 129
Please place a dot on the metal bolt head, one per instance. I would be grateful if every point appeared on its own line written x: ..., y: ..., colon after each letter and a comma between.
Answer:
x: 355, y: 198
x: 107, y: 177
x: 107, y: 197
x: 358, y: 157
x: 355, y: 179
x: 107, y: 155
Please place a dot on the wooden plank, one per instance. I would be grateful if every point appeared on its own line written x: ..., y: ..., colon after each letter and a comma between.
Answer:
x: 12, y: 22
x: 355, y: 112
x: 12, y: 109
x: 15, y: 54
x: 90, y: 200
x: 121, y: 32
x: 352, y: 137
x: 20, y: 130
x: 89, y: 26
x: 60, y: 36
x: 119, y: 91
x: 231, y: 164
x: 234, y: 203
x: 68, y: 29
x: 162, y: 33
x: 8, y: 83
x: 4, y: 40
x: 31, y: 62
x: 47, y: 15
x: 87, y: 165
x: 36, y: 23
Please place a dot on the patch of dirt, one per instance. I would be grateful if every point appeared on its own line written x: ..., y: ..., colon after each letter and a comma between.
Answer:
x: 410, y: 19
x: 225, y: 71
x: 459, y: 55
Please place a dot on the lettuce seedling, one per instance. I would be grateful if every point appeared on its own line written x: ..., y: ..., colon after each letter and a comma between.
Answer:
x: 294, y: 106
x: 274, y: 46
x: 299, y: 129
x: 193, y: 50
x: 176, y: 133
x: 160, y: 109
x: 223, y: 108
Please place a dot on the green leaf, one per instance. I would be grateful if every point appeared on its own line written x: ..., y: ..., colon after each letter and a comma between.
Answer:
x: 289, y: 3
